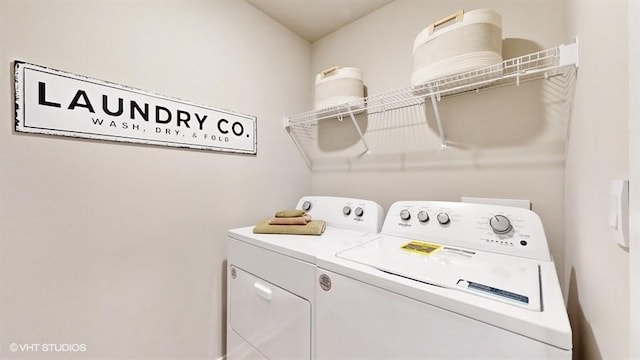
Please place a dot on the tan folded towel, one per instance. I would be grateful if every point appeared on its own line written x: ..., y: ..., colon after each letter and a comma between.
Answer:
x: 290, y: 213
x: 302, y: 220
x: 314, y: 227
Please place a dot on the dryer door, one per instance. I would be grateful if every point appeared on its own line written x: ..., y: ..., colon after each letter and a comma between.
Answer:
x: 272, y: 320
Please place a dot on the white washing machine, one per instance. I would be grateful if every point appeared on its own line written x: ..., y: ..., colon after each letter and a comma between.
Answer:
x: 444, y: 280
x: 270, y: 278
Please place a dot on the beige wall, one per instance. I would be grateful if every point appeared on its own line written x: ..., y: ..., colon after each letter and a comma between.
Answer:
x: 634, y: 175
x: 121, y: 247
x: 506, y: 143
x: 595, y: 267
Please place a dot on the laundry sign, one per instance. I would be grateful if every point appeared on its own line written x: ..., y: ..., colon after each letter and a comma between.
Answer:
x: 54, y: 102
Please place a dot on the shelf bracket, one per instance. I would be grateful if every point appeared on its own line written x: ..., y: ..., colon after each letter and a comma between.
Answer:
x: 297, y: 143
x: 355, y: 123
x: 434, y: 103
x: 569, y: 54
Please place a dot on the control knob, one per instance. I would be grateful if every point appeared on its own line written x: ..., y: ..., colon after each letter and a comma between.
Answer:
x: 423, y: 216
x: 306, y: 206
x: 346, y: 210
x: 500, y: 224
x: 359, y: 211
x: 443, y: 218
x: 405, y: 214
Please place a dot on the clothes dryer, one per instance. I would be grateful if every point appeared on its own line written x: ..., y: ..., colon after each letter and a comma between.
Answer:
x: 271, y: 277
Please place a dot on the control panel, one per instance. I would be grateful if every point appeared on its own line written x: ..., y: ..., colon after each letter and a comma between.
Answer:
x: 499, y: 229
x: 346, y: 213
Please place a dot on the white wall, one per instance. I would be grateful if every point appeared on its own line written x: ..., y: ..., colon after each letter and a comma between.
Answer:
x: 634, y: 175
x: 507, y: 142
x: 596, y: 268
x: 121, y: 247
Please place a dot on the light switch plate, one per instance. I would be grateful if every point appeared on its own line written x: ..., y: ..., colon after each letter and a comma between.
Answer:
x: 619, y: 212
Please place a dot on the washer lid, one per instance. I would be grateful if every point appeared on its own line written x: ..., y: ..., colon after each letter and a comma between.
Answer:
x: 507, y: 279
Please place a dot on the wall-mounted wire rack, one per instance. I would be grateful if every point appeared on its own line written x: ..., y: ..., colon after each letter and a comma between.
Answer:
x: 543, y: 64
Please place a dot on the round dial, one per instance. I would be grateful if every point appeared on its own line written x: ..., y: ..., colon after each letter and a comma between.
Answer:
x: 443, y: 218
x: 500, y: 224
x: 359, y: 211
x: 423, y: 216
x: 306, y: 206
x: 346, y: 210
x: 405, y: 214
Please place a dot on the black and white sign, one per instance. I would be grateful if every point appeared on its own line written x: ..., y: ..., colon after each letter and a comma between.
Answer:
x: 59, y: 103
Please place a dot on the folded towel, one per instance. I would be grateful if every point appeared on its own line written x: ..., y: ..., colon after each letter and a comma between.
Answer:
x: 290, y: 213
x: 314, y: 227
x: 302, y: 220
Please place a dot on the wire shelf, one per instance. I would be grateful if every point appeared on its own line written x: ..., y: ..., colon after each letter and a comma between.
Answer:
x: 543, y: 64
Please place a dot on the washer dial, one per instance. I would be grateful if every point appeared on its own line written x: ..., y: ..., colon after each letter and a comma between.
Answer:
x: 500, y: 224
x: 405, y: 214
x: 443, y: 218
x: 423, y: 216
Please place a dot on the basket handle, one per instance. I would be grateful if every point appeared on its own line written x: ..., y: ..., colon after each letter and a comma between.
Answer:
x: 458, y: 15
x: 329, y: 71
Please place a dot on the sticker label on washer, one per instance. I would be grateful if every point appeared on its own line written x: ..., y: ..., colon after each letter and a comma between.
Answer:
x: 421, y: 247
x: 325, y: 282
